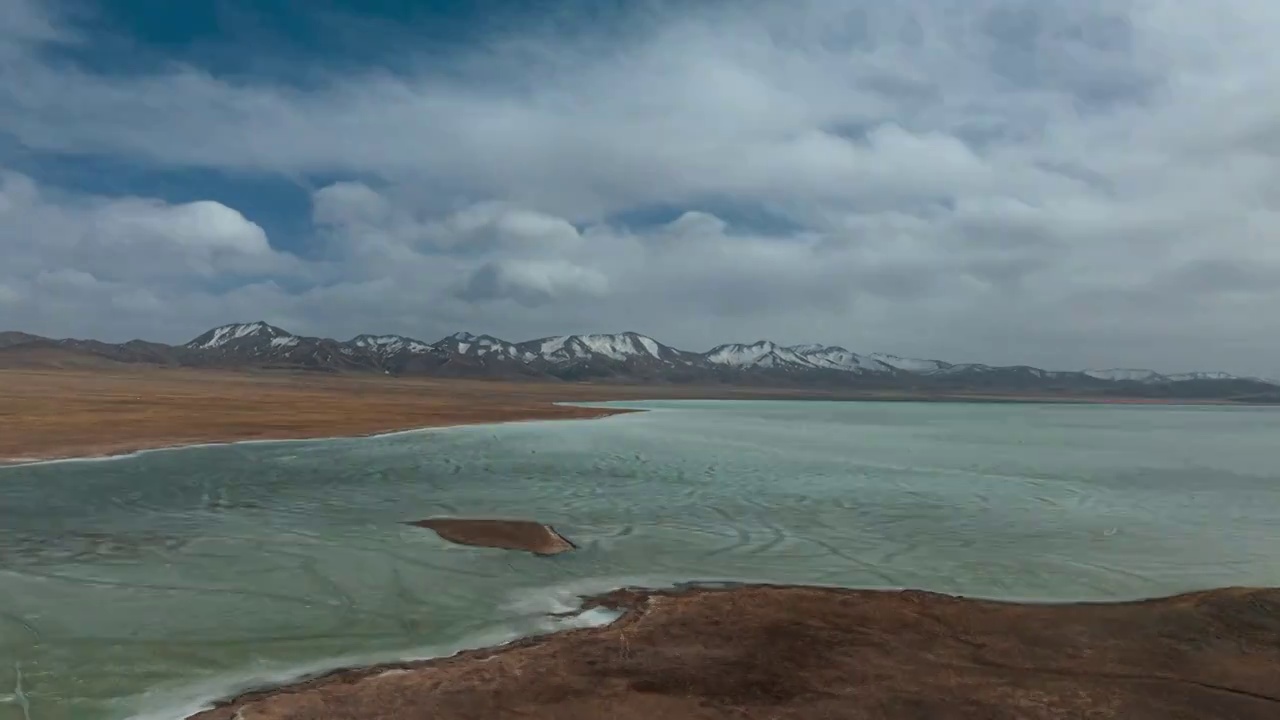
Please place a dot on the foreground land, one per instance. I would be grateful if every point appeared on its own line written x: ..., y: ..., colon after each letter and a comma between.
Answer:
x: 76, y: 412
x: 803, y: 653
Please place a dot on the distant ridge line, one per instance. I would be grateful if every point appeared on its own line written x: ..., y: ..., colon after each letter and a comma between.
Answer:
x: 625, y: 357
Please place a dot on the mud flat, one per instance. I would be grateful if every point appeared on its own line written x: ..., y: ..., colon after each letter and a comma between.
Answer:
x: 802, y: 653
x: 523, y: 535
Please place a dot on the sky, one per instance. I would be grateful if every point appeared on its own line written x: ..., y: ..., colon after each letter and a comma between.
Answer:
x: 1060, y: 183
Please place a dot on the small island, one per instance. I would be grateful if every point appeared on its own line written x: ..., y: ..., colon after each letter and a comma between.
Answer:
x: 525, y: 535
x: 793, y: 653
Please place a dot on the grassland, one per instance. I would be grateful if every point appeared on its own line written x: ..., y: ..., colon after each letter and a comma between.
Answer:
x: 70, y: 411
x: 67, y: 412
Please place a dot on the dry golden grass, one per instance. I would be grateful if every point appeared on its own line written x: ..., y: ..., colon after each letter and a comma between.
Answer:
x: 67, y: 412
x: 72, y: 411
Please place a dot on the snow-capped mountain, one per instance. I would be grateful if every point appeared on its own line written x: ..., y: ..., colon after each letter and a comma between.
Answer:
x: 627, y: 347
x: 627, y: 353
x: 1126, y: 375
x: 766, y: 354
x: 911, y: 365
x: 481, y: 346
x: 243, y: 335
x: 1153, y: 377
x: 1185, y: 377
x: 945, y: 369
x: 628, y: 357
x: 262, y: 344
x: 387, y: 345
x: 838, y: 358
x: 759, y: 354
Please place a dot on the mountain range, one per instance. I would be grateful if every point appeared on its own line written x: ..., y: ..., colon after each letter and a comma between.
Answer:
x: 622, y: 357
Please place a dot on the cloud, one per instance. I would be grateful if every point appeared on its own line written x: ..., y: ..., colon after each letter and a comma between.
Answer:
x: 515, y: 229
x: 203, y: 226
x: 80, y: 262
x: 532, y: 283
x: 349, y: 205
x: 128, y: 239
x: 1059, y: 182
x: 23, y: 21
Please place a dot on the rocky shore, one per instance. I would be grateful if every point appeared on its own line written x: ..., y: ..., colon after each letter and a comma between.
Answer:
x: 797, y: 653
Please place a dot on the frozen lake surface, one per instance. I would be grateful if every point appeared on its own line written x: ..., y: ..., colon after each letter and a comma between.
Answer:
x: 141, y: 587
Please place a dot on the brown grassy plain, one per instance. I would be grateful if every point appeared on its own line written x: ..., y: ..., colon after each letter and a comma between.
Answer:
x: 65, y: 406
x: 48, y: 413
x: 65, y: 413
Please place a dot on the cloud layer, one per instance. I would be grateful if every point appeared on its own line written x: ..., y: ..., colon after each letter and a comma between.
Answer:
x: 1065, y: 183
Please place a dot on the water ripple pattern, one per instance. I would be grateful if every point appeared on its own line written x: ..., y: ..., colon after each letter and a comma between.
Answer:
x: 141, y: 587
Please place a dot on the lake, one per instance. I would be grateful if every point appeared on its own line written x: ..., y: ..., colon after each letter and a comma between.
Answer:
x: 141, y: 587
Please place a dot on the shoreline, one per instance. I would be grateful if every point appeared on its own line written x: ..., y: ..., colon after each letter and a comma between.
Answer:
x: 59, y: 415
x: 64, y: 415
x: 130, y: 450
x: 127, y: 449
x: 680, y: 649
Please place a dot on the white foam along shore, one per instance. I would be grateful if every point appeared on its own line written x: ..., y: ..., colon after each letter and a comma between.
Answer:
x: 538, y: 611
x: 535, y: 611
x: 22, y: 461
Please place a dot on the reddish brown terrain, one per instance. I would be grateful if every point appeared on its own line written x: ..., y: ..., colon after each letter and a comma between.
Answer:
x: 790, y: 653
x: 523, y: 535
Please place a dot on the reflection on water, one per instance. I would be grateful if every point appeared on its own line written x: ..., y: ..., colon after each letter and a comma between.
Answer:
x: 143, y: 584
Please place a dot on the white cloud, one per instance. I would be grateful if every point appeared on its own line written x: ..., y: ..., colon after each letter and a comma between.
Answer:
x: 533, y: 282
x: 204, y: 227
x: 516, y: 229
x: 127, y: 239
x: 81, y: 264
x: 349, y: 204
x: 1060, y: 182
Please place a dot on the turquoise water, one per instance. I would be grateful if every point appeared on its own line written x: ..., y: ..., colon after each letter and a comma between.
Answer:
x: 141, y: 587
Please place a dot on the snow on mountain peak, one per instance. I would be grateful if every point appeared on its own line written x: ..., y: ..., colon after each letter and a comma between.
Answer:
x: 809, y: 348
x: 389, y: 344
x: 1125, y: 375
x: 490, y: 345
x: 221, y: 336
x: 621, y: 346
x: 837, y: 358
x: 914, y: 365
x: 465, y: 343
x: 615, y: 346
x: 761, y: 353
x: 374, y: 340
x: 260, y: 340
x: 1183, y: 377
